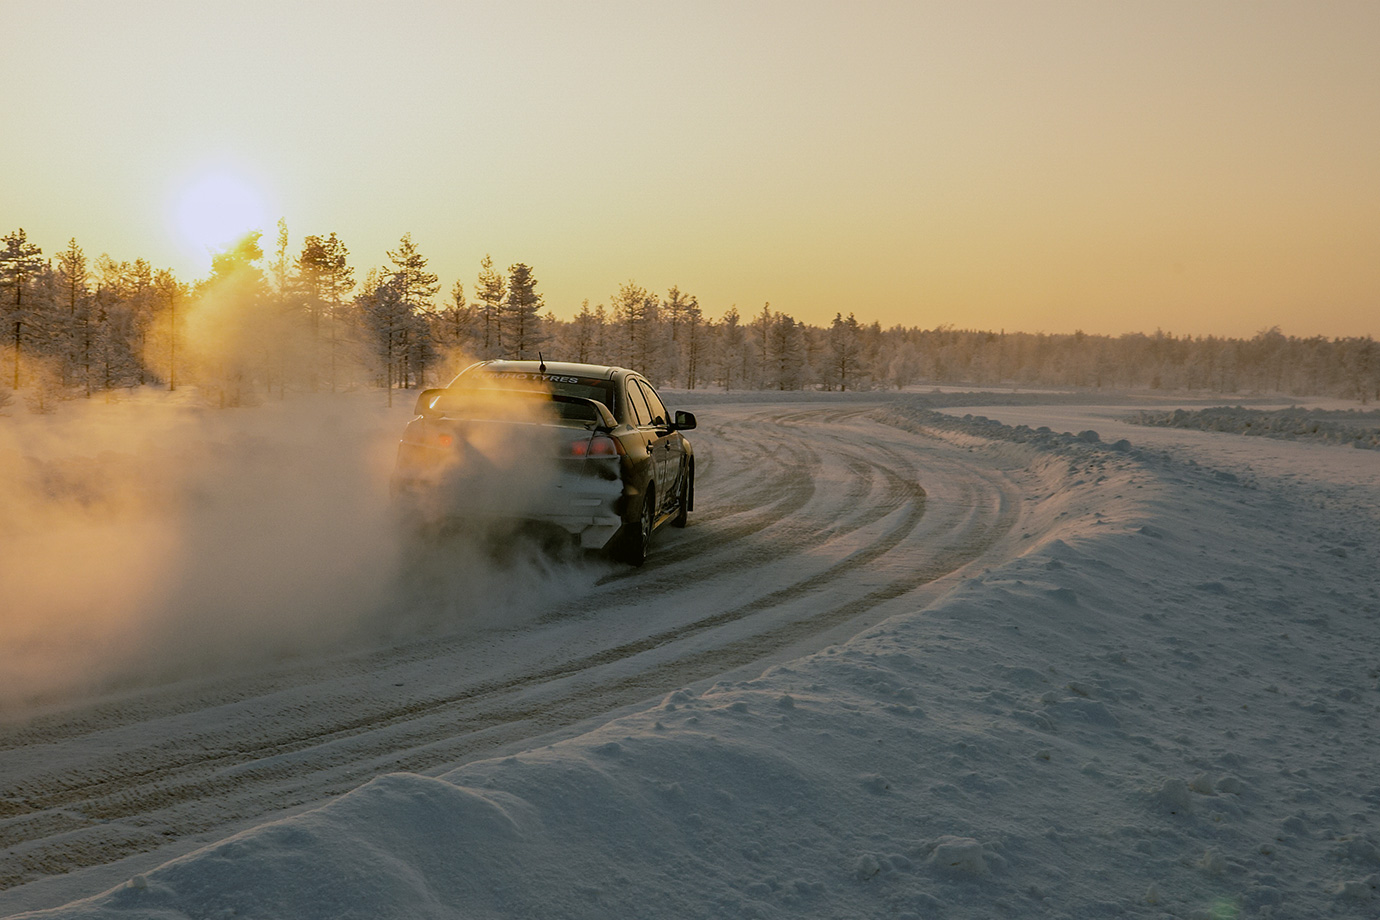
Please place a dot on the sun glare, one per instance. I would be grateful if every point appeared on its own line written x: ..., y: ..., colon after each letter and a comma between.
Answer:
x: 217, y: 209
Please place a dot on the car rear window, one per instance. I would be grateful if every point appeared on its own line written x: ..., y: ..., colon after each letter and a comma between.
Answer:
x: 594, y: 388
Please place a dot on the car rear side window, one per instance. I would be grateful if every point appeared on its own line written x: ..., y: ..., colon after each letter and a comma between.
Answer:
x: 659, y: 414
x: 642, y: 415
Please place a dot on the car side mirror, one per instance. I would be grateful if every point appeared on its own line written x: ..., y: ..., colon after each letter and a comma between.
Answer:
x: 425, y: 403
x: 684, y: 420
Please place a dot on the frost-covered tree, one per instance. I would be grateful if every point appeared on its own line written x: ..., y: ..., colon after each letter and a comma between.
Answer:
x: 734, y: 352
x: 1360, y: 362
x: 307, y: 286
x: 455, y: 331
x: 490, y: 290
x: 636, y: 321
x: 289, y: 350
x: 170, y: 297
x: 786, y: 347
x: 417, y: 288
x: 901, y: 363
x: 415, y: 284
x: 674, y: 311
x: 112, y: 340
x: 692, y: 343
x: 759, y: 375
x: 338, y: 282
x: 390, y: 326
x: 72, y: 319
x: 21, y: 263
x: 844, y: 354
x: 322, y: 280
x: 139, y: 297
x: 587, y: 335
x: 522, y: 333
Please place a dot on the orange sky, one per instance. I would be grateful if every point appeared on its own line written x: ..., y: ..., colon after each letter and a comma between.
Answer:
x: 1193, y: 166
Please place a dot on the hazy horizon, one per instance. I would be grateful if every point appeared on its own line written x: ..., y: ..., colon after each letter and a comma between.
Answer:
x: 1201, y: 169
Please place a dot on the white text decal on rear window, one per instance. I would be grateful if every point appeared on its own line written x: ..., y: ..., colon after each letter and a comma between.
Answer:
x: 516, y: 375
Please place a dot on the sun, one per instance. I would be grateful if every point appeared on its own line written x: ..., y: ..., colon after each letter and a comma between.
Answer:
x: 216, y: 209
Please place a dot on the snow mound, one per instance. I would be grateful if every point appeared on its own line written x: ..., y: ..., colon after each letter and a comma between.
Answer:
x: 959, y: 856
x: 1355, y: 428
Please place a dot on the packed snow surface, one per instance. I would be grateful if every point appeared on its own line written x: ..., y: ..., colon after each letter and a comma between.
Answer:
x: 1144, y: 683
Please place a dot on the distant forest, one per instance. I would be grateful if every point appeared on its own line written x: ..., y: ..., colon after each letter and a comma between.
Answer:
x: 263, y: 324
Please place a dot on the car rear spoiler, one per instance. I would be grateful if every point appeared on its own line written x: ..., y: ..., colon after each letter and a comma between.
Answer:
x: 606, y: 421
x: 426, y: 405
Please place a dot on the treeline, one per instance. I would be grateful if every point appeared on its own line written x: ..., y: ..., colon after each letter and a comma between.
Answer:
x: 299, y: 319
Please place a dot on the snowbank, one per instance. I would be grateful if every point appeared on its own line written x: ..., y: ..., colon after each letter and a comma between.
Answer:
x: 1354, y: 428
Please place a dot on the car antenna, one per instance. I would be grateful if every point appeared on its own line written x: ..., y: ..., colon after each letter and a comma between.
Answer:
x: 541, y: 364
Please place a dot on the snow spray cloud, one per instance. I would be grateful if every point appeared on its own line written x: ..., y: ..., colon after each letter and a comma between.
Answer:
x: 155, y: 538
x: 144, y: 540
x: 235, y: 335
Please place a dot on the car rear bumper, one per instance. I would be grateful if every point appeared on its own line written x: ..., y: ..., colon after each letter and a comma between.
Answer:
x: 585, y: 507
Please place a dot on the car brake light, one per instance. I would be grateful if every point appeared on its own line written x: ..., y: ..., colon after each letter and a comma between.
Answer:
x: 597, y: 446
x: 445, y: 440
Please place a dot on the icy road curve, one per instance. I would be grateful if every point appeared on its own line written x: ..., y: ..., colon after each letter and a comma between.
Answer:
x: 809, y: 520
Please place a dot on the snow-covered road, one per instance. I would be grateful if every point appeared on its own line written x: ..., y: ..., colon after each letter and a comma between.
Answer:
x: 902, y: 664
x: 809, y: 522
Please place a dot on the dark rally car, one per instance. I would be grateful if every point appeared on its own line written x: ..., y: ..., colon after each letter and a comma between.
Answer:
x: 585, y: 448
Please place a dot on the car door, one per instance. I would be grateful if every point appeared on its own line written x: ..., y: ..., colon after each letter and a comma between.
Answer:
x: 641, y: 418
x: 665, y: 452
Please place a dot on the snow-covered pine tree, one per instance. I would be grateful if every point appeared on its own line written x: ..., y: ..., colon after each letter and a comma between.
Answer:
x: 845, y: 353
x: 734, y: 351
x: 21, y: 263
x: 692, y: 342
x: 490, y: 291
x: 586, y: 339
x: 322, y: 279
x: 522, y: 329
x: 455, y: 331
x: 72, y: 318
x: 386, y: 319
x: 787, y: 353
x: 416, y: 287
x: 637, y: 321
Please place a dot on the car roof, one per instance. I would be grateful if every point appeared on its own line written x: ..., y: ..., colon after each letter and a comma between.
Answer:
x: 567, y: 368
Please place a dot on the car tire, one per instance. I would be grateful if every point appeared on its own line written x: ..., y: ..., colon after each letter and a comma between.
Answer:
x: 687, y: 491
x: 637, y: 537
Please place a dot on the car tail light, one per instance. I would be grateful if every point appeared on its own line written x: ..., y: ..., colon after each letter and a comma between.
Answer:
x: 445, y: 440
x: 597, y: 446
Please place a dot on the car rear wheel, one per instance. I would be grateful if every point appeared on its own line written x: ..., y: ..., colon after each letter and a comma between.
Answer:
x: 637, y: 540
